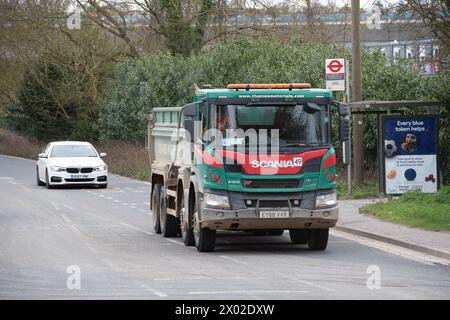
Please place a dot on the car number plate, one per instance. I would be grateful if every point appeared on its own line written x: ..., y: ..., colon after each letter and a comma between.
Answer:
x: 79, y: 176
x: 274, y: 214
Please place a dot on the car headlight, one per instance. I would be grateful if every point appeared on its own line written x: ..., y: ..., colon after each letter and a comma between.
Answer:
x: 57, y: 169
x: 100, y: 168
x: 326, y: 200
x: 216, y: 201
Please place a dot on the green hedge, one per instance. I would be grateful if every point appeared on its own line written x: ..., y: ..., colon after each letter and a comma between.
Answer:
x: 170, y: 82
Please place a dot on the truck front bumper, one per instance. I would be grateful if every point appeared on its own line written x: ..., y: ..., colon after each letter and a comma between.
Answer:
x: 250, y: 219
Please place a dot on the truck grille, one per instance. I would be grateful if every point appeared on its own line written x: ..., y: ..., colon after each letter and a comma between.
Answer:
x: 272, y: 183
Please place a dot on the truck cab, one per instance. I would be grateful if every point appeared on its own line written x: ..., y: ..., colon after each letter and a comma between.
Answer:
x: 249, y: 157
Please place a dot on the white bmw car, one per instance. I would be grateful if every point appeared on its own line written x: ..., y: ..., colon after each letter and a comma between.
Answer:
x: 71, y: 163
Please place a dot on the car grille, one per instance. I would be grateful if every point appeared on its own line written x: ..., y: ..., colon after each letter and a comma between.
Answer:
x: 80, y: 180
x: 272, y: 183
x: 78, y: 170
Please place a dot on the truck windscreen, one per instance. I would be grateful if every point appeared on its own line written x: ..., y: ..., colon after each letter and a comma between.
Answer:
x: 293, y: 125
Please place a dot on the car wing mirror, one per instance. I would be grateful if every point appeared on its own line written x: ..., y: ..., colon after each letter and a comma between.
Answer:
x: 103, y: 154
x: 42, y: 155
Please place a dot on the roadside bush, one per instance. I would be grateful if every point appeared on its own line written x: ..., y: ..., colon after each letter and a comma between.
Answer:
x: 170, y: 82
x: 60, y: 92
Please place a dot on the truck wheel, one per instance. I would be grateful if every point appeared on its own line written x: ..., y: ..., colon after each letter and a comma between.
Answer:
x: 38, y: 180
x: 318, y: 239
x: 205, y: 239
x: 187, y: 234
x: 155, y: 208
x: 299, y: 236
x: 168, y: 223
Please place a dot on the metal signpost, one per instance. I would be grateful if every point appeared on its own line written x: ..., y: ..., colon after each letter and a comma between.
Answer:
x: 337, y: 79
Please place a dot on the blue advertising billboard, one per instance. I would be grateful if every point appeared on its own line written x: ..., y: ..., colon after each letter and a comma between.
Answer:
x: 409, y: 153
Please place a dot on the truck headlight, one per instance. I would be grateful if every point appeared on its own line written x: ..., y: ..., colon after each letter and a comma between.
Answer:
x: 57, y: 169
x: 100, y: 168
x: 216, y: 201
x: 326, y: 200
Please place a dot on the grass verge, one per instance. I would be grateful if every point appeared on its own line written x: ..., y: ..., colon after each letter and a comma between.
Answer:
x: 364, y: 190
x: 415, y: 209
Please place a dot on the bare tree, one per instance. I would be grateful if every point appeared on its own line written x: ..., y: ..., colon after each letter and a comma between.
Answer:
x: 434, y: 14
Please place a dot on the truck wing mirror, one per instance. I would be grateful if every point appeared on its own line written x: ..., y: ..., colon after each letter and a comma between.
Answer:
x: 189, y: 116
x: 344, y: 109
x: 344, y: 129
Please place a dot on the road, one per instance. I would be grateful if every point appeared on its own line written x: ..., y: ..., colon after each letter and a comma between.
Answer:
x: 106, y: 238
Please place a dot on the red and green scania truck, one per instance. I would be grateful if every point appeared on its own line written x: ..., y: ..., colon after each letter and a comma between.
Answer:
x: 249, y: 157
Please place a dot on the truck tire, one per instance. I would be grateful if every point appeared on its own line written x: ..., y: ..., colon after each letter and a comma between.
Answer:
x: 205, y: 239
x: 155, y: 207
x: 318, y: 239
x: 299, y: 236
x: 38, y: 180
x: 187, y: 234
x: 168, y: 223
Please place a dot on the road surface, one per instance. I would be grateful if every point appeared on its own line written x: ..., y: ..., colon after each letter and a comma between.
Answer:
x: 88, y: 243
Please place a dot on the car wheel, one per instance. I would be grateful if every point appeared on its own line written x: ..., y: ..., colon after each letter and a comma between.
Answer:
x: 47, y: 183
x: 187, y: 234
x: 155, y: 208
x: 168, y: 223
x: 318, y: 239
x: 205, y: 239
x: 38, y: 180
x: 299, y: 236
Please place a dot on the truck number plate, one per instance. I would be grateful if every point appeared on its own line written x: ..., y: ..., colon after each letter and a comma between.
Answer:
x: 274, y: 214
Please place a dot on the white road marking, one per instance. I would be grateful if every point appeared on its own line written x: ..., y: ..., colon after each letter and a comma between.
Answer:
x: 112, y: 265
x: 158, y: 293
x: 68, y: 207
x: 6, y: 178
x: 55, y: 205
x: 78, y: 232
x: 132, y: 207
x: 313, y: 284
x: 136, y: 228
x: 147, y: 203
x: 115, y: 200
x: 233, y: 259
x: 393, y: 249
x: 248, y: 291
x: 175, y: 241
x: 65, y: 218
x: 19, y: 185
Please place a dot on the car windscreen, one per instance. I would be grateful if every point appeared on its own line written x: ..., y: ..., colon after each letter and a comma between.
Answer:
x: 71, y: 151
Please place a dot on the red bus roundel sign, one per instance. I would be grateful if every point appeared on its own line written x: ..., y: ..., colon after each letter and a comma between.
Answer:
x: 335, y: 74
